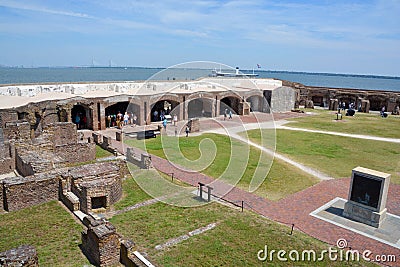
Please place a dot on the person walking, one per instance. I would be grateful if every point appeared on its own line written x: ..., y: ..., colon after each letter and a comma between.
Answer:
x: 175, y: 119
x: 230, y: 114
x: 187, y: 130
x: 165, y: 124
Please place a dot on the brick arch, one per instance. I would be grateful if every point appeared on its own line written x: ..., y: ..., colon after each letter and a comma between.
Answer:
x: 157, y: 107
x: 230, y: 102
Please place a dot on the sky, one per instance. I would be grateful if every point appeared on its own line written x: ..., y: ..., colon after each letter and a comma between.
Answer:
x: 338, y: 36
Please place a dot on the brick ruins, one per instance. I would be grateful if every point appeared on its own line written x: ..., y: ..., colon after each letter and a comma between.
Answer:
x: 43, y: 164
x: 367, y: 100
x: 23, y: 256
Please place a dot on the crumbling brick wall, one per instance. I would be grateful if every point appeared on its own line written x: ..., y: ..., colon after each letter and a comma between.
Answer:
x: 62, y: 133
x: 17, y: 130
x: 23, y: 256
x: 7, y: 115
x: 79, y: 152
x: 7, y: 160
x: 22, y: 192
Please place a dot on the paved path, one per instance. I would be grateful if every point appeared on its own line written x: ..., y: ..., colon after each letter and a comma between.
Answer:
x: 359, y: 136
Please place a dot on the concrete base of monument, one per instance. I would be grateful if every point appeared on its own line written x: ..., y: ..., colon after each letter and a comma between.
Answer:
x: 387, y: 233
x: 361, y: 214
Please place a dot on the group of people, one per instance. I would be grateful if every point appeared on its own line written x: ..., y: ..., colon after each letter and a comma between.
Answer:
x: 80, y: 121
x: 160, y: 115
x: 226, y: 113
x: 119, y: 120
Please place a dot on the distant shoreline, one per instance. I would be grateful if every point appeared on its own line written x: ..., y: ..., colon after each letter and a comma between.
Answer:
x: 244, y: 70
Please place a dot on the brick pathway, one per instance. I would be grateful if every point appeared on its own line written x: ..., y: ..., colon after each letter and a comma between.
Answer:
x: 294, y: 209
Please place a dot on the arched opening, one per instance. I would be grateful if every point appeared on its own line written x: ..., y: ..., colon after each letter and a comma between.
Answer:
x: 162, y: 108
x: 111, y: 113
x: 376, y: 103
x: 229, y: 103
x: 200, y: 107
x: 82, y: 117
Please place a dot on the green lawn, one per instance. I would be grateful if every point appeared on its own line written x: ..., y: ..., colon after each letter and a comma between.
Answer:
x: 235, y: 241
x: 49, y: 228
x: 335, y: 155
x: 132, y: 194
x: 102, y: 153
x: 246, y: 166
x: 361, y: 123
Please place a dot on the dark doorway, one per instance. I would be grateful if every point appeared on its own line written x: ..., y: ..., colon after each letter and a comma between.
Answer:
x: 99, y: 202
x: 164, y: 107
x: 229, y: 103
x: 200, y: 107
x: 133, y: 111
x: 81, y: 116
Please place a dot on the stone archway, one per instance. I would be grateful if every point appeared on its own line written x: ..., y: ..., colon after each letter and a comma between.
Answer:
x: 200, y: 107
x: 82, y: 116
x: 230, y: 103
x: 163, y: 107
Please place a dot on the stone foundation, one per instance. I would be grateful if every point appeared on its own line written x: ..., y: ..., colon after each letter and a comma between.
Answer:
x: 23, y: 256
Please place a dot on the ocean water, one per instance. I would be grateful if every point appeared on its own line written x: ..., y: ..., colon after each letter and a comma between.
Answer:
x: 62, y: 75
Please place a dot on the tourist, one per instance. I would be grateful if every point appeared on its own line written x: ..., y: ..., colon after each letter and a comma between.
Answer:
x: 225, y: 114
x: 84, y: 122
x: 165, y: 124
x: 187, y: 130
x: 175, y: 119
x: 126, y: 119
x: 383, y: 114
x: 108, y: 121
x: 134, y: 119
x: 155, y: 115
x: 230, y: 114
x: 78, y: 121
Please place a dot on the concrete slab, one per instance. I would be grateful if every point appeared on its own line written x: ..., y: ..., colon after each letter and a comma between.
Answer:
x: 388, y: 233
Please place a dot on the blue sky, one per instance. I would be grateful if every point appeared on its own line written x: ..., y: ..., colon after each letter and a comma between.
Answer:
x: 361, y: 37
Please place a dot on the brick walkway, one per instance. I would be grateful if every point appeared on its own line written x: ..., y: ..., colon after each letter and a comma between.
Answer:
x: 294, y: 209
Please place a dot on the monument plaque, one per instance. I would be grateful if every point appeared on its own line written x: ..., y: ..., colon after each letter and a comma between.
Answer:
x: 367, y: 196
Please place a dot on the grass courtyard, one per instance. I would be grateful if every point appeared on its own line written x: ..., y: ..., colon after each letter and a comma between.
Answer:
x: 235, y: 241
x: 360, y: 123
x: 50, y: 228
x: 280, y: 179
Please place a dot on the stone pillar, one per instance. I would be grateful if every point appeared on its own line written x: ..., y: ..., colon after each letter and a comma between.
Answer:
x: 333, y: 104
x: 146, y: 161
x: 119, y: 136
x: 100, y: 242
x: 217, y: 106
